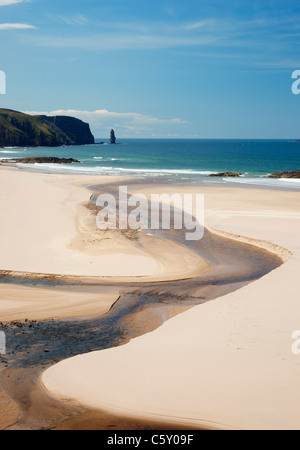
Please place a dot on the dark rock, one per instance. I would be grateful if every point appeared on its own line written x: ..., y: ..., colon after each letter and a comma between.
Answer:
x: 293, y: 174
x: 112, y: 137
x: 226, y: 174
x: 40, y: 160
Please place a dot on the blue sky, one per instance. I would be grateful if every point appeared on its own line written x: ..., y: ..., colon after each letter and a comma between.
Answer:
x: 156, y: 68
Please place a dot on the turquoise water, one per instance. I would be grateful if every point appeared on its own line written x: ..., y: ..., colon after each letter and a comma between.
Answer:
x: 190, y: 160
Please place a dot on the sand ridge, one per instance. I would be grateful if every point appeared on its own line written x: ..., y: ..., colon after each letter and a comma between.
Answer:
x: 46, y: 228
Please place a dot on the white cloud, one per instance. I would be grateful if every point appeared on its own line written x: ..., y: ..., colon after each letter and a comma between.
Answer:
x: 102, y: 120
x: 259, y: 34
x: 74, y: 20
x: 107, y: 36
x: 98, y: 42
x: 208, y: 23
x: 10, y: 2
x: 105, y: 114
x: 15, y: 26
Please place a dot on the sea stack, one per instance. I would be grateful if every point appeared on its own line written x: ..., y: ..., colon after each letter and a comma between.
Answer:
x: 112, y: 137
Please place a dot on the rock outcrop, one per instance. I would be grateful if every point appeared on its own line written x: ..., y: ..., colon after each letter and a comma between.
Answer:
x: 113, y: 139
x: 40, y: 160
x: 293, y: 174
x: 22, y: 130
x: 226, y: 174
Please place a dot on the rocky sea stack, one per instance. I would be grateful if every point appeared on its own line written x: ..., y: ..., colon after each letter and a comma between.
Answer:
x: 22, y: 130
x: 113, y: 139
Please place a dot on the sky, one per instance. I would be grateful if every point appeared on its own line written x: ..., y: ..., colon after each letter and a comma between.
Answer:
x: 156, y: 68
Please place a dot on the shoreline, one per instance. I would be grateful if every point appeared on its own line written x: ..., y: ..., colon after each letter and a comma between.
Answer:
x: 204, y: 269
x: 256, y: 181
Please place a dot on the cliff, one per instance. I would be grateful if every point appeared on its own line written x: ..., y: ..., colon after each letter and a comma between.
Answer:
x: 22, y: 130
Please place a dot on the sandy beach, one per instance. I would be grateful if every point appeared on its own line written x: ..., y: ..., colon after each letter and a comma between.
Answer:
x: 223, y: 364
x: 46, y: 228
x: 150, y: 218
x: 20, y: 303
x: 49, y: 232
x: 227, y: 363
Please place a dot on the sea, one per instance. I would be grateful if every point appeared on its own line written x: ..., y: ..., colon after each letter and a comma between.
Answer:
x: 183, y: 160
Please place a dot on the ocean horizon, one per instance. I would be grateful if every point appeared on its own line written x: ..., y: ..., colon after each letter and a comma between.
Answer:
x: 179, y: 159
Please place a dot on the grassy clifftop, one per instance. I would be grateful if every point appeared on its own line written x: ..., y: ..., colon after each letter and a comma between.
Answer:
x: 19, y: 129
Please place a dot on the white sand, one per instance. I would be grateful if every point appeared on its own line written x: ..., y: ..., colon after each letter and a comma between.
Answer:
x: 46, y: 229
x: 42, y: 231
x: 38, y: 215
x: 228, y: 362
